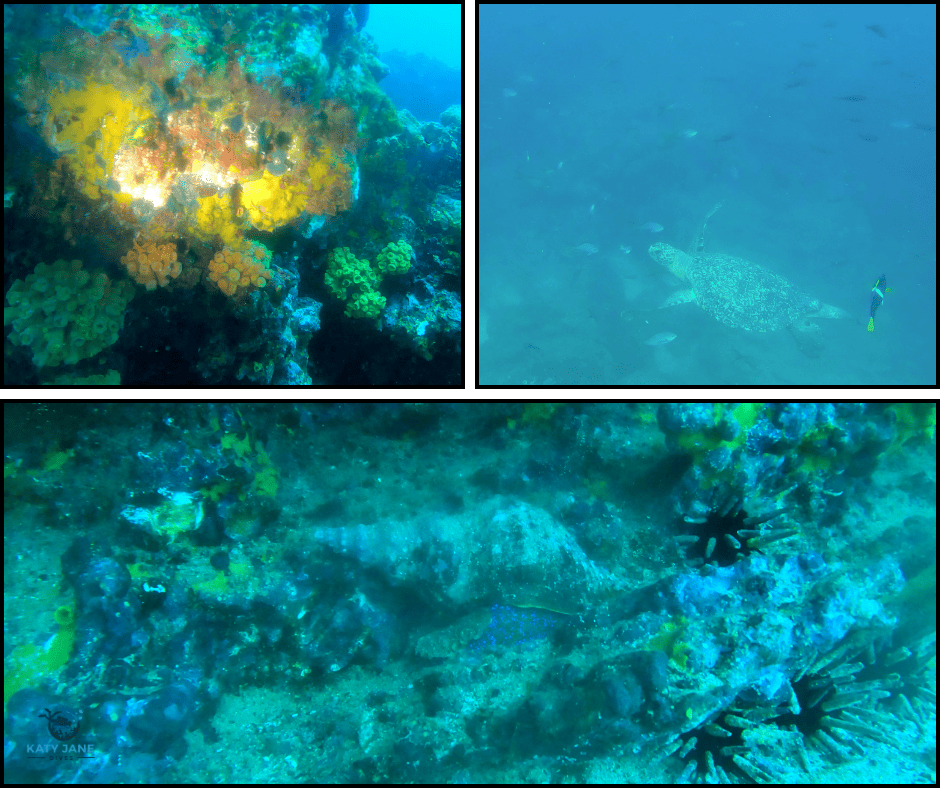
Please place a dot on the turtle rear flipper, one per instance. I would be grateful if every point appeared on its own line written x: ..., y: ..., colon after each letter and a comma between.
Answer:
x: 827, y: 310
x: 805, y: 326
x: 679, y: 297
x: 808, y: 336
x: 698, y: 241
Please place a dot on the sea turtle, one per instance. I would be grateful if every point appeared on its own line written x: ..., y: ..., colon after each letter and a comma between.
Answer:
x: 738, y: 292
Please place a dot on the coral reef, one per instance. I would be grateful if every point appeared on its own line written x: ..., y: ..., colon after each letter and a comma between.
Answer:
x: 159, y: 140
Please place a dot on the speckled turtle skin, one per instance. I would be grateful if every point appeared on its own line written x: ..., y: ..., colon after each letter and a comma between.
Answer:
x: 735, y: 291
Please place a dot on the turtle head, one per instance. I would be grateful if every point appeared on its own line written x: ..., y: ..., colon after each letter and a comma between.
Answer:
x: 672, y: 258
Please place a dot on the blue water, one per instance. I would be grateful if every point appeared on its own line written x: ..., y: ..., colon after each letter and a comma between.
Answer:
x: 586, y: 121
x: 421, y: 46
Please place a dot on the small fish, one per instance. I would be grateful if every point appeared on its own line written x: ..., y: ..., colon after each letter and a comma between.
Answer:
x: 924, y: 127
x: 851, y: 98
x: 626, y: 249
x: 650, y: 227
x: 854, y: 120
x: 797, y: 83
x: 868, y: 137
x: 689, y: 133
x: 878, y: 30
x: 741, y: 357
x: 724, y: 138
x: 661, y: 338
x: 509, y: 93
x: 588, y: 249
x: 877, y: 296
x: 901, y: 124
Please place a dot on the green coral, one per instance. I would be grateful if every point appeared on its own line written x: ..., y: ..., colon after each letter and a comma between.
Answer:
x: 356, y: 281
x: 181, y: 513
x: 64, y: 313
x: 250, y: 455
x: 746, y: 414
x: 65, y: 617
x: 914, y: 420
x: 111, y: 378
x: 668, y: 640
x: 29, y: 664
x: 347, y: 277
x: 366, y: 305
x: 395, y: 258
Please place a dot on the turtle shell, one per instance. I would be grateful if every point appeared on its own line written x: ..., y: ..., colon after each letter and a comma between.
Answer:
x: 745, y: 295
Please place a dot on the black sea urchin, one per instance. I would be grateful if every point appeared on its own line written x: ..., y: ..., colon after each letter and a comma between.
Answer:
x: 728, y: 533
x: 843, y: 704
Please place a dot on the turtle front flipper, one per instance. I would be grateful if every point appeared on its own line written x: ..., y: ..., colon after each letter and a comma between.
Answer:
x: 679, y: 297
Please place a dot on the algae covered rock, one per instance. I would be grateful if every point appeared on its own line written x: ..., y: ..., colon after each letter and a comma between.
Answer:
x: 508, y: 552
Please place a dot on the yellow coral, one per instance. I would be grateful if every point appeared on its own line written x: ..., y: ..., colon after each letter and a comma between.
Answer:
x: 271, y: 201
x: 329, y: 184
x: 89, y: 126
x: 215, y: 217
x: 151, y: 264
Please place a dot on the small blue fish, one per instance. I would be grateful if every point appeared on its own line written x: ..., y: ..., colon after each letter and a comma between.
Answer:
x: 877, y: 296
x: 660, y: 339
x: 650, y: 227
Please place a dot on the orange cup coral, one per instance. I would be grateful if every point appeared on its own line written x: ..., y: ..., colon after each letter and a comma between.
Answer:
x: 151, y: 264
x: 236, y: 273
